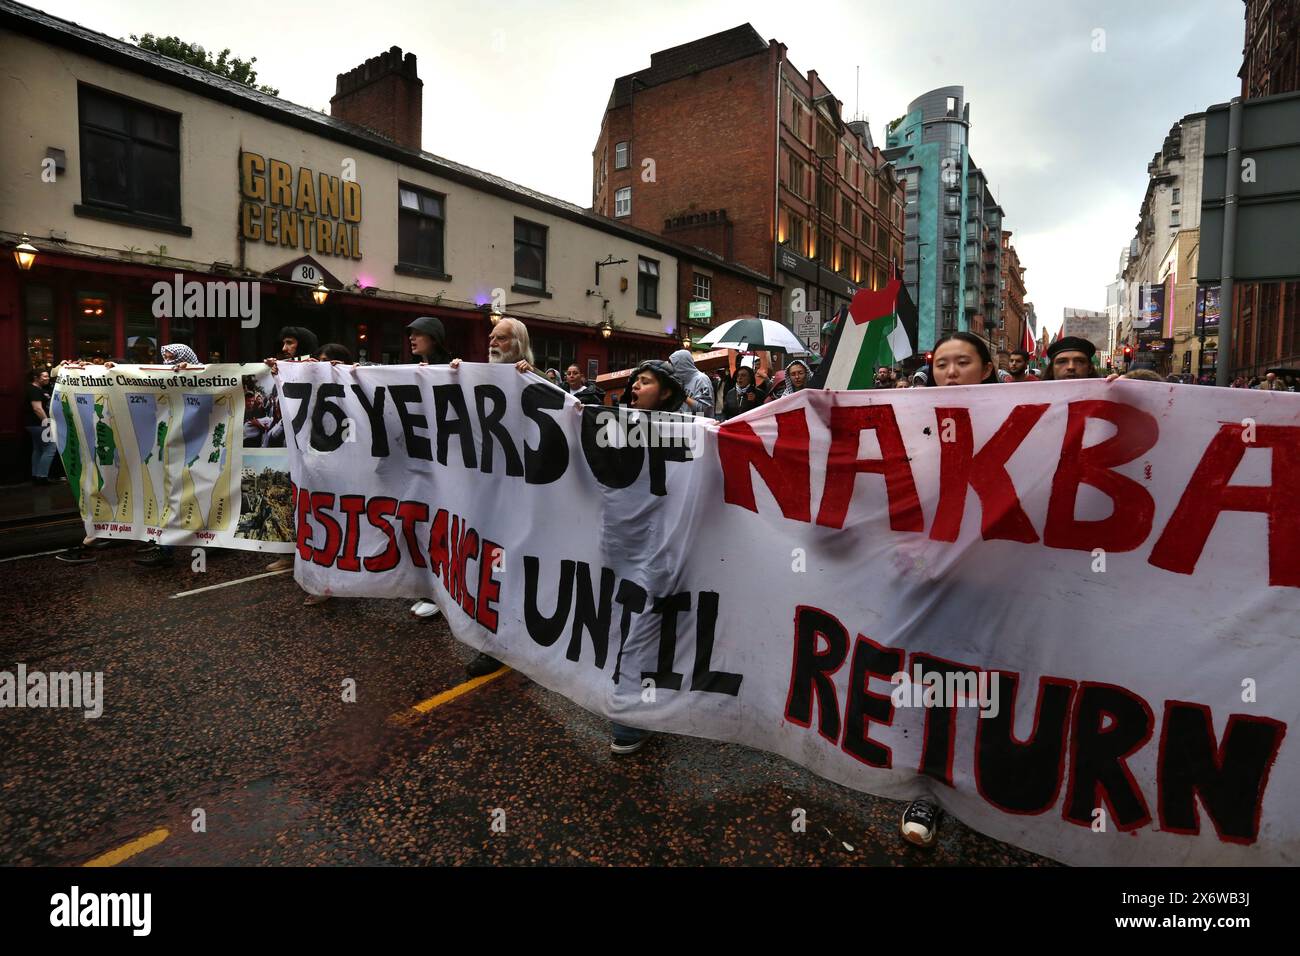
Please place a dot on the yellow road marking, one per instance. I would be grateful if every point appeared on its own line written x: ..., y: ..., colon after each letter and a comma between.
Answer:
x: 128, y: 850
x: 125, y: 852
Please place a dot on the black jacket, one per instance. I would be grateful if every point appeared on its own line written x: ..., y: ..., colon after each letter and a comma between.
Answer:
x: 589, y: 394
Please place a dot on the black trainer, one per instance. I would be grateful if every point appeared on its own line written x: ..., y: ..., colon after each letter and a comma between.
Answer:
x: 920, y: 824
x: 481, y: 665
x: 77, y: 555
x: 157, y: 558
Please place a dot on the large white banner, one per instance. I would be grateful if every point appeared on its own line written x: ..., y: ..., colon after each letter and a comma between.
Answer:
x: 1092, y: 588
x: 178, y: 456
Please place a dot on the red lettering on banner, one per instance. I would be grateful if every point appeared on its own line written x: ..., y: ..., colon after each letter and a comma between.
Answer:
x: 377, y: 511
x: 412, y: 512
x: 353, y: 506
x: 843, y: 467
x: 454, y: 569
x: 1208, y: 494
x: 468, y: 551
x: 438, y: 552
x: 321, y: 502
x: 1130, y: 522
x: 489, y: 588
x: 960, y: 467
x: 785, y: 471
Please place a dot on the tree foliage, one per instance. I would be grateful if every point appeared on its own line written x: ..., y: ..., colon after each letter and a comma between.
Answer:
x: 232, y: 68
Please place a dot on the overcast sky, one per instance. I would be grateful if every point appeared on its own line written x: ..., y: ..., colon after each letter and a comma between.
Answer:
x: 518, y: 89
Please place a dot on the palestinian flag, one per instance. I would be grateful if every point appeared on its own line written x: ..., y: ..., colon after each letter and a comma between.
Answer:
x: 876, y: 332
x: 1027, y: 341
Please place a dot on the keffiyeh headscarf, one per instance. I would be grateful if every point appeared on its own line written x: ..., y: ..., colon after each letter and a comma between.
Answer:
x: 179, y: 355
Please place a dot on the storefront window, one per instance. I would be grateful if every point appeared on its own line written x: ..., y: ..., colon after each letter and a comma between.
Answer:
x: 93, y: 319
x: 142, y: 345
x: 38, y: 317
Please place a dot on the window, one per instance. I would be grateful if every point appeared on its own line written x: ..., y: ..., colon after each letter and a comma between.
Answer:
x: 142, y: 330
x: 843, y: 261
x: 702, y: 288
x: 825, y: 140
x: 623, y: 202
x: 952, y: 106
x: 764, y: 305
x: 530, y: 255
x: 39, y: 319
x: 420, y: 228
x: 798, y: 179
x: 952, y: 205
x: 846, y: 213
x: 93, y: 325
x: 553, y: 353
x: 647, y: 286
x: 1177, y: 195
x: 825, y: 196
x: 620, y: 155
x: 1175, y: 217
x: 866, y: 228
x: 130, y: 156
x: 824, y: 249
x: 796, y: 235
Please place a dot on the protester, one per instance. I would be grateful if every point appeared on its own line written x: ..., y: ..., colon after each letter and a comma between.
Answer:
x: 295, y: 343
x: 334, y: 352
x: 1143, y: 375
x: 1070, y: 358
x: 553, y: 376
x: 743, y: 396
x: 695, y: 384
x: 577, y: 386
x: 902, y: 383
x: 37, y: 415
x: 1271, y: 384
x: 654, y: 388
x: 428, y: 340
x: 1018, y: 366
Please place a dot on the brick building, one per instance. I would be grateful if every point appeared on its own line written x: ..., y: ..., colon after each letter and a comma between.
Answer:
x: 1267, y: 315
x: 1014, y: 317
x: 722, y: 144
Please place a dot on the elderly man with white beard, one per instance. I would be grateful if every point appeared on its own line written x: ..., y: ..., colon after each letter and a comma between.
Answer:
x: 507, y: 342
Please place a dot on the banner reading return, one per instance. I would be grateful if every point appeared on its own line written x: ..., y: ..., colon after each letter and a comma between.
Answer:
x: 178, y: 456
x: 1103, y: 577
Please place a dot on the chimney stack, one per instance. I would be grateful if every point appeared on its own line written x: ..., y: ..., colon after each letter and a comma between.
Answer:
x: 385, y: 95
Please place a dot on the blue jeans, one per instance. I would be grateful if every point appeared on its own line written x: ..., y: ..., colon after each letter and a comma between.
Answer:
x: 42, y: 452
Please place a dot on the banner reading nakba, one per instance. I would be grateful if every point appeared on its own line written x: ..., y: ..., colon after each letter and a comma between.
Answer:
x: 1104, y: 578
x: 178, y: 456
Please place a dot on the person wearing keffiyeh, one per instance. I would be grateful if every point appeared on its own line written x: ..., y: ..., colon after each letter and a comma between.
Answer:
x: 178, y: 354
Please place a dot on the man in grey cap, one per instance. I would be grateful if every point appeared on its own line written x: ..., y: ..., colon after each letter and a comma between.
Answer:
x: 429, y: 340
x: 428, y: 344
x: 1070, y: 357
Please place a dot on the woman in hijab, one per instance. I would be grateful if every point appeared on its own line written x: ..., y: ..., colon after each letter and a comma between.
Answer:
x: 743, y: 396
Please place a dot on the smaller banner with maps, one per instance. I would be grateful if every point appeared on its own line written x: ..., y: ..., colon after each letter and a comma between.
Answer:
x: 176, y: 455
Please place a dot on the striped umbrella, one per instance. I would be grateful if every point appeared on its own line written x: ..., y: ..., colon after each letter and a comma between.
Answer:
x: 751, y: 334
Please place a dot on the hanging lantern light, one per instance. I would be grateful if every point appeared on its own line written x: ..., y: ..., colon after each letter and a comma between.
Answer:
x: 320, y: 294
x: 25, y: 254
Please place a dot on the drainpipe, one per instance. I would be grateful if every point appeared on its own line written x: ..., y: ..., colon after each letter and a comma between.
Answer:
x: 1232, y: 174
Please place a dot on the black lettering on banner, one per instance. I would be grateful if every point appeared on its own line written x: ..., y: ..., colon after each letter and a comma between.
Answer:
x: 548, y: 461
x: 668, y: 608
x: 320, y: 440
x: 702, y: 678
x: 1024, y: 776
x: 353, y: 506
x: 1098, y: 755
x: 544, y: 630
x: 374, y: 409
x: 377, y: 511
x: 632, y: 597
x: 811, y: 671
x: 446, y: 397
x: 590, y: 616
x: 417, y: 446
x: 1229, y: 778
x: 490, y: 428
x: 613, y: 467
x: 660, y: 452
x: 865, y: 707
x: 940, y: 738
x: 300, y: 392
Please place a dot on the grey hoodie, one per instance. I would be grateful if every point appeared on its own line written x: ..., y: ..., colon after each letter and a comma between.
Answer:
x: 695, y: 382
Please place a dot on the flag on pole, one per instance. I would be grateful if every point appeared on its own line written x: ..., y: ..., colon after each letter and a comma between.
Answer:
x: 875, y: 334
x: 1027, y: 341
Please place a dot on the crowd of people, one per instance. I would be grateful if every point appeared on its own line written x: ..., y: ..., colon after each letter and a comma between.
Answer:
x: 675, y: 385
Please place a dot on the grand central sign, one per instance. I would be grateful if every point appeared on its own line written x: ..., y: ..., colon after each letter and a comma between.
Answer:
x: 314, y: 212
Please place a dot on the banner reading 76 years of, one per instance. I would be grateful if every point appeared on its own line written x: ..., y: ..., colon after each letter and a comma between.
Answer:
x: 1102, y: 578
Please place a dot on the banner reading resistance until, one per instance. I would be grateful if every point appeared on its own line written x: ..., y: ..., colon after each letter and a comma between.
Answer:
x: 1116, y: 607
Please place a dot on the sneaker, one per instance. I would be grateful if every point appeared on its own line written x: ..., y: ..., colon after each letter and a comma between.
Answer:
x: 424, y: 609
x: 920, y: 823
x: 77, y: 555
x: 281, y: 564
x: 157, y: 558
x: 627, y: 745
x: 481, y: 665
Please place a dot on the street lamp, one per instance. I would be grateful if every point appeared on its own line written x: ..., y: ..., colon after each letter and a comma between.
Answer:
x: 686, y: 341
x: 606, y: 330
x: 320, y: 294
x: 25, y: 254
